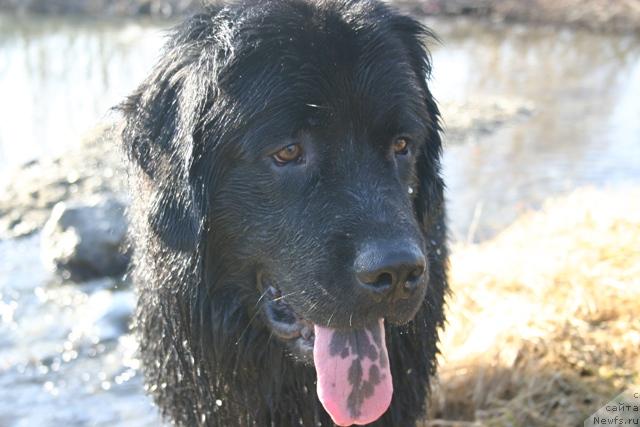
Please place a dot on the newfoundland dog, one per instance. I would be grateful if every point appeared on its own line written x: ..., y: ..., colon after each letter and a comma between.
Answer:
x: 288, y: 217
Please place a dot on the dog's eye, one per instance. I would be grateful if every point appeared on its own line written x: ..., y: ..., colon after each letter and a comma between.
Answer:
x: 290, y: 153
x: 401, y: 146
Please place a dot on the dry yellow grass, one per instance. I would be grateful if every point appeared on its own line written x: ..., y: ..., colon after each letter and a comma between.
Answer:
x: 544, y: 320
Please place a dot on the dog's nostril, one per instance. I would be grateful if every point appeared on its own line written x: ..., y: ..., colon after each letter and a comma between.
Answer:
x: 383, y: 281
x: 416, y: 273
x: 413, y: 279
x: 384, y: 267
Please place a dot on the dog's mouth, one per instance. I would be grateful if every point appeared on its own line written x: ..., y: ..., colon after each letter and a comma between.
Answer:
x: 287, y: 325
x: 354, y: 381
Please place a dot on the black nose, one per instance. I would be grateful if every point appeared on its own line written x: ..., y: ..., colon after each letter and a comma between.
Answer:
x: 390, y: 268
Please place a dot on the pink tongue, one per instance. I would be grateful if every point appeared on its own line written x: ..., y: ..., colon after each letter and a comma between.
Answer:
x: 354, y: 381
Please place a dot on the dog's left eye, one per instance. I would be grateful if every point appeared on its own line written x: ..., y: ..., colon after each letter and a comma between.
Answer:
x: 401, y: 146
x: 290, y: 153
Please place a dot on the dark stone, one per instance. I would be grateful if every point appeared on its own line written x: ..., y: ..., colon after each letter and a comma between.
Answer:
x: 85, y: 240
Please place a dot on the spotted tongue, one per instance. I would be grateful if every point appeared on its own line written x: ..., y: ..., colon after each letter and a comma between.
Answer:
x: 354, y: 381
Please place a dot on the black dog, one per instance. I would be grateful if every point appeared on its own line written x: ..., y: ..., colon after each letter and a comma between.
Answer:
x: 289, y: 217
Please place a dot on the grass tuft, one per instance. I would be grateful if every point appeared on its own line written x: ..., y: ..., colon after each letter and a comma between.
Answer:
x: 544, y: 320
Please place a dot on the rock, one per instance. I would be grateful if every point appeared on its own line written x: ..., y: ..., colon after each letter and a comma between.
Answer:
x: 85, y: 240
x: 95, y: 166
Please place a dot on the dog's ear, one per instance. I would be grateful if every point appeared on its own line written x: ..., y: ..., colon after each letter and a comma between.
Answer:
x: 429, y: 200
x: 163, y: 134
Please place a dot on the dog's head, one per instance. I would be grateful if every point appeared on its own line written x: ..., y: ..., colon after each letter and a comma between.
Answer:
x: 295, y: 147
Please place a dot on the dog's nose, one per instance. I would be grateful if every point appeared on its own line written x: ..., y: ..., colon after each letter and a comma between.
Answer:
x: 393, y: 269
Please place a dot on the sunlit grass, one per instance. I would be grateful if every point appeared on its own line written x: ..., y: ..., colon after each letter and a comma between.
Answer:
x: 544, y: 320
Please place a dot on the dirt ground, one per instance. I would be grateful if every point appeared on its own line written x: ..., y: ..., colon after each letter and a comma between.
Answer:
x: 543, y: 326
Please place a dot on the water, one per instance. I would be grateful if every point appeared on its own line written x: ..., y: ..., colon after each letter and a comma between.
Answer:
x: 584, y: 130
x: 66, y: 356
x: 59, y: 77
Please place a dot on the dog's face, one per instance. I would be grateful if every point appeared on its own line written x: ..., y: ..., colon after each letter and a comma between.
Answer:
x: 317, y: 198
x: 325, y: 214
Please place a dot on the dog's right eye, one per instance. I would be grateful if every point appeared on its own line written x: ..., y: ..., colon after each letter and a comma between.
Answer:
x: 290, y: 153
x: 401, y: 146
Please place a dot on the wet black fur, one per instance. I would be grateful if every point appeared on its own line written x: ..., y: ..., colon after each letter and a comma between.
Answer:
x: 228, y: 80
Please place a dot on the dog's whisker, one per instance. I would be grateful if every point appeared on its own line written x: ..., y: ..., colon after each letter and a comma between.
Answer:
x: 285, y: 295
x: 320, y: 107
x: 314, y: 305
x: 261, y: 297
x: 330, y: 317
x: 252, y: 317
x: 270, y: 337
x: 246, y: 328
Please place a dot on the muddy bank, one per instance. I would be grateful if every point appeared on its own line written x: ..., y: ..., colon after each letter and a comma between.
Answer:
x: 599, y: 15
x: 32, y: 190
x: 602, y: 15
